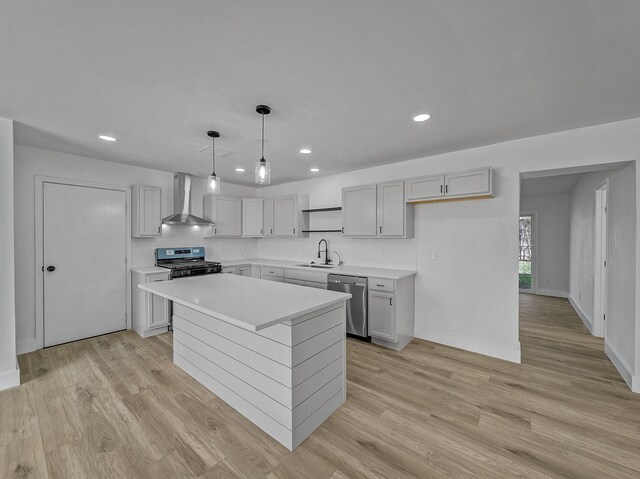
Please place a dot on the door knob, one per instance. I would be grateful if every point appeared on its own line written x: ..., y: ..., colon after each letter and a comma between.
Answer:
x: 51, y: 268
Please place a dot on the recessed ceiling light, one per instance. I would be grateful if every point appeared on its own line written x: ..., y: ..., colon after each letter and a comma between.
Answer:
x: 421, y: 117
x: 314, y: 170
x: 107, y: 138
x: 240, y: 170
x: 305, y: 151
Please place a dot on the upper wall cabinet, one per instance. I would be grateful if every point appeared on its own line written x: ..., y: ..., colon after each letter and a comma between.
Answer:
x: 288, y: 219
x: 376, y: 211
x: 359, y: 210
x: 225, y: 212
x: 146, y: 214
x: 267, y: 217
x: 466, y: 184
x: 252, y: 217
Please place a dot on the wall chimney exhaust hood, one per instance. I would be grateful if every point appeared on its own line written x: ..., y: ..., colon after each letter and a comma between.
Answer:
x: 182, y: 204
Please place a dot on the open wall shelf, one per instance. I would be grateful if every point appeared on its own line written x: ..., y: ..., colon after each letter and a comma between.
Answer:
x: 322, y: 231
x: 316, y: 210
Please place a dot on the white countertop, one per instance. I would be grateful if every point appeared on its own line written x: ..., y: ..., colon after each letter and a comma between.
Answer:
x: 346, y: 269
x: 250, y: 303
x: 150, y: 270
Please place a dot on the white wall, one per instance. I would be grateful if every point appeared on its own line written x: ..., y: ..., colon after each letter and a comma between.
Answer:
x: 467, y: 297
x: 553, y: 234
x: 9, y: 374
x: 582, y: 239
x: 621, y: 324
x: 30, y: 162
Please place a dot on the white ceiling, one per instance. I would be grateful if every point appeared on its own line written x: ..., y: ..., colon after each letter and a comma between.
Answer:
x: 342, y: 77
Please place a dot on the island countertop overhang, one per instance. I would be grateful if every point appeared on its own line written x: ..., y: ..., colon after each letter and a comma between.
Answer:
x: 249, y: 303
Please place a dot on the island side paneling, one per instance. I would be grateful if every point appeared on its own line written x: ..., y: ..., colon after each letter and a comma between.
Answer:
x: 287, y: 379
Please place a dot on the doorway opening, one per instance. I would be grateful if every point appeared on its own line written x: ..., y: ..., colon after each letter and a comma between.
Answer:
x: 527, y: 280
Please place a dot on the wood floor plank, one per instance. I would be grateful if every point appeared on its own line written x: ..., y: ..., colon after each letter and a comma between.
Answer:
x: 115, y: 406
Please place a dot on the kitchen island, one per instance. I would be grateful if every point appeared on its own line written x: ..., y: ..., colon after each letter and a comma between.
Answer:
x: 274, y: 352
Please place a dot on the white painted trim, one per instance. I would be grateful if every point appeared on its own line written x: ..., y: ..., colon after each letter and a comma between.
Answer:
x: 581, y: 314
x: 10, y: 379
x: 26, y: 346
x: 481, y: 347
x: 39, y: 245
x: 623, y: 368
x: 552, y: 292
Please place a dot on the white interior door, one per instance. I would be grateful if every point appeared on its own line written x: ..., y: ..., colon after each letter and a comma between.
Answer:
x: 600, y: 266
x: 84, y: 262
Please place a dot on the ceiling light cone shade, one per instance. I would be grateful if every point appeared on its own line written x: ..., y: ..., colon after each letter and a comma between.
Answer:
x: 213, y: 185
x: 263, y: 172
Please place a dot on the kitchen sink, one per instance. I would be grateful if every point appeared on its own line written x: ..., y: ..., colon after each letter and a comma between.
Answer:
x: 326, y: 266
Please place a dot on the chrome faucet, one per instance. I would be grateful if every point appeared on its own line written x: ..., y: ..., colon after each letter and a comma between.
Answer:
x: 327, y: 257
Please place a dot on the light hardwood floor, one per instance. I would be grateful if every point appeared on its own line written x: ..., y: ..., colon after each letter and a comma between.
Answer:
x: 116, y: 406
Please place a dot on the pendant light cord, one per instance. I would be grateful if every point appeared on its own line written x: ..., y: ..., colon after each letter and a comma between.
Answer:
x: 262, y: 158
x: 213, y: 155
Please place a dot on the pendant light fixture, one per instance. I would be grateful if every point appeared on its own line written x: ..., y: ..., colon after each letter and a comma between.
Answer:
x: 213, y: 182
x: 263, y: 168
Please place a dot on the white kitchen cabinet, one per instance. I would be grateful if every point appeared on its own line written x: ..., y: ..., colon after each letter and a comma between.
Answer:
x: 244, y: 270
x: 230, y: 270
x: 359, y: 211
x: 395, y: 217
x: 469, y: 183
x: 425, y: 188
x: 225, y: 212
x: 391, y: 311
x: 380, y: 211
x: 267, y: 216
x: 252, y: 217
x: 272, y: 274
x: 476, y: 183
x: 382, y: 322
x: 255, y: 272
x: 288, y: 220
x: 151, y: 313
x: 146, y: 213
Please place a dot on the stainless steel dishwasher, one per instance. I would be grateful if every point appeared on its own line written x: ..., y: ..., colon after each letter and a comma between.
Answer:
x: 357, y: 311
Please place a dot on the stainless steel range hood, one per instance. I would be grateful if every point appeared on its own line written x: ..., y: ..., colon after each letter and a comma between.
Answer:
x: 182, y: 204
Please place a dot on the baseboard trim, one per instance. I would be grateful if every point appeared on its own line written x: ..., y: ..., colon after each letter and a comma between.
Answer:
x: 26, y: 346
x: 552, y: 292
x: 581, y: 314
x: 623, y: 368
x: 10, y: 379
x: 473, y: 345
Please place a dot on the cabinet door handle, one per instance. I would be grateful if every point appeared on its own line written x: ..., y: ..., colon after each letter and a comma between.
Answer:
x: 440, y: 188
x: 294, y: 231
x: 380, y: 285
x: 343, y: 229
x: 381, y: 229
x: 159, y: 229
x: 271, y: 230
x: 390, y: 301
x: 446, y: 189
x: 215, y: 231
x: 261, y: 231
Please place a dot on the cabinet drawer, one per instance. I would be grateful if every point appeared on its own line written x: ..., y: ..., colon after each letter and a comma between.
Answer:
x: 230, y: 270
x: 270, y: 271
x: 382, y: 284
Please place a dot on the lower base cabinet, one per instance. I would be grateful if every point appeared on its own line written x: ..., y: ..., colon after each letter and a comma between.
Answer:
x: 391, y: 311
x: 151, y: 313
x: 382, y: 321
